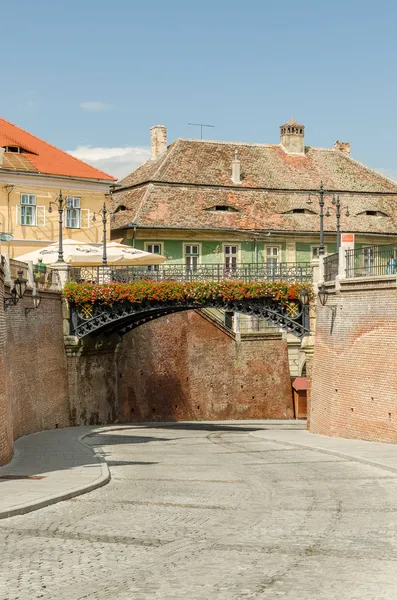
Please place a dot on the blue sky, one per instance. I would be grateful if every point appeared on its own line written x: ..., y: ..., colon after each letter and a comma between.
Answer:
x: 94, y: 76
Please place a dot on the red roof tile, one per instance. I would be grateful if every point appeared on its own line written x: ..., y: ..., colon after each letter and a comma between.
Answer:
x: 38, y: 156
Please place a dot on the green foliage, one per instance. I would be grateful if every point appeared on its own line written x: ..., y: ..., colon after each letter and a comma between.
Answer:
x: 200, y: 292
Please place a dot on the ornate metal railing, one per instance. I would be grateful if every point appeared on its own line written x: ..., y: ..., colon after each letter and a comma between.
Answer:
x: 288, y: 272
x: 371, y: 261
x: 331, y: 266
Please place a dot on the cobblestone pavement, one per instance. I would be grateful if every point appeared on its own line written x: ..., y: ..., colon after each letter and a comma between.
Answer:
x: 210, y: 512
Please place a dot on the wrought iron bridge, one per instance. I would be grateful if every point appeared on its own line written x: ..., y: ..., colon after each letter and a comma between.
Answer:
x: 288, y: 272
x: 122, y: 317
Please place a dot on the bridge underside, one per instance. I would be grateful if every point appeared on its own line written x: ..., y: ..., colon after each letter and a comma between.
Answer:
x: 100, y: 319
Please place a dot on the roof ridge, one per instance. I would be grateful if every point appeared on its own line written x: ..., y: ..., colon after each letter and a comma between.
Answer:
x: 40, y: 140
x: 366, y: 167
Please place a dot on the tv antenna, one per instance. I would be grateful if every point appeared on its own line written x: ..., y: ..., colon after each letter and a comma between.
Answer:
x: 201, y: 125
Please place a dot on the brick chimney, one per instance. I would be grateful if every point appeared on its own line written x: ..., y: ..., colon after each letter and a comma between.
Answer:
x: 292, y: 137
x: 236, y: 169
x: 158, y: 141
x: 2, y: 150
x: 342, y: 147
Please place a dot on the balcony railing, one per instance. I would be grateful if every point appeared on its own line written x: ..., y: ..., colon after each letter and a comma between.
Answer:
x: 371, y: 261
x: 288, y: 272
x: 331, y: 266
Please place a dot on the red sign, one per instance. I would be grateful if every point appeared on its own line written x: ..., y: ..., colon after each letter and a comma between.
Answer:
x: 347, y: 237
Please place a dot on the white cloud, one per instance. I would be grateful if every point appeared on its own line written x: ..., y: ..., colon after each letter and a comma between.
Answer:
x: 115, y: 161
x: 95, y: 106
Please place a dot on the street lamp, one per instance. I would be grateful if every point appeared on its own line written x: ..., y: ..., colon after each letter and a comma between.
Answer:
x: 60, y: 203
x: 323, y: 294
x: 17, y: 292
x: 336, y: 202
x: 104, y: 213
x: 20, y: 285
x: 304, y: 297
x: 320, y: 194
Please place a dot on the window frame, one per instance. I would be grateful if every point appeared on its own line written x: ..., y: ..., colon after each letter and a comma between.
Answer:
x: 199, y: 255
x: 73, y: 208
x: 238, y: 254
x: 21, y: 209
x: 160, y: 244
x: 317, y: 246
x: 279, y: 253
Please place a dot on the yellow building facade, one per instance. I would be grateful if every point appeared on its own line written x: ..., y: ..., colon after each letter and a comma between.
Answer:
x: 32, y: 174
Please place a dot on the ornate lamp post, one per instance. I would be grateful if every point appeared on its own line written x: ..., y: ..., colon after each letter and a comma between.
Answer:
x: 336, y: 202
x: 60, y: 202
x: 104, y: 213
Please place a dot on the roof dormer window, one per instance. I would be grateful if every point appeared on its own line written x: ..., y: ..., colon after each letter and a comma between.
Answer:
x: 299, y: 211
x: 373, y: 213
x: 15, y: 149
x: 222, y: 208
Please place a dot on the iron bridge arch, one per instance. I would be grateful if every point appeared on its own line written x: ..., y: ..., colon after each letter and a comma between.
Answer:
x: 122, y: 317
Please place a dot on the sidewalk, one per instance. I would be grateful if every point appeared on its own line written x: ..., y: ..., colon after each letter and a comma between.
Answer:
x: 48, y: 467
x: 369, y: 453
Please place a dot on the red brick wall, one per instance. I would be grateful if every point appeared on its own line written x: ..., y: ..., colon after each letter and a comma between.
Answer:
x: 182, y: 367
x: 6, y: 437
x: 33, y: 383
x: 354, y: 385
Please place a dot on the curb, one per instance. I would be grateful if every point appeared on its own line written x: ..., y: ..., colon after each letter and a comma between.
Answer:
x: 102, y: 480
x: 364, y: 461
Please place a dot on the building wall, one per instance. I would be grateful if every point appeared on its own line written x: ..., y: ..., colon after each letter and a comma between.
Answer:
x: 46, y: 189
x: 33, y: 383
x: 182, y: 367
x: 354, y: 378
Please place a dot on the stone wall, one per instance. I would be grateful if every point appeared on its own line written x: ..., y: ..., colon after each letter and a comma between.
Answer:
x: 354, y: 383
x: 183, y: 367
x: 33, y: 383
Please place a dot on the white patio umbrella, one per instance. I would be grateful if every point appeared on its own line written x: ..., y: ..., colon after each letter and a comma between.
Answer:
x: 90, y: 254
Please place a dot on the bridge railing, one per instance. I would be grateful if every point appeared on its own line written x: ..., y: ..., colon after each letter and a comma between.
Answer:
x: 288, y: 272
x: 331, y: 266
x: 371, y: 261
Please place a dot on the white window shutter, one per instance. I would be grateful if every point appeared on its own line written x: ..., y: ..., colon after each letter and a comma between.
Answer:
x: 40, y: 216
x: 85, y: 218
x: 17, y: 213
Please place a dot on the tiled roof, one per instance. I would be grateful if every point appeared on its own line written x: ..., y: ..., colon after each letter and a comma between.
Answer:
x: 40, y: 157
x: 157, y: 205
x: 262, y: 166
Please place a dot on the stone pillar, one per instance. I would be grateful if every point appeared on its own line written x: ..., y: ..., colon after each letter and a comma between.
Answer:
x: 308, y: 348
x: 62, y: 270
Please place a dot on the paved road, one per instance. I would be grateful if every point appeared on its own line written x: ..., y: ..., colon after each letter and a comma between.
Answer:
x: 205, y: 512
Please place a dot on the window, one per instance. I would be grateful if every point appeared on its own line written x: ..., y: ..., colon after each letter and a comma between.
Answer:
x: 299, y: 211
x: 369, y: 260
x: 222, y: 208
x: 272, y: 255
x: 28, y: 209
x: 73, y: 214
x: 373, y: 213
x: 153, y: 248
x: 315, y: 252
x: 28, y: 214
x: 192, y: 254
x: 231, y: 255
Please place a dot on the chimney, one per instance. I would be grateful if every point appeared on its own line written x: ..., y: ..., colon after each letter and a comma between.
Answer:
x: 342, y: 147
x: 2, y: 150
x: 292, y: 137
x: 158, y: 141
x: 236, y: 175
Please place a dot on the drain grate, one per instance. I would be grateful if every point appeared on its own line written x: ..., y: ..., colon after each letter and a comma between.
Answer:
x: 11, y: 477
